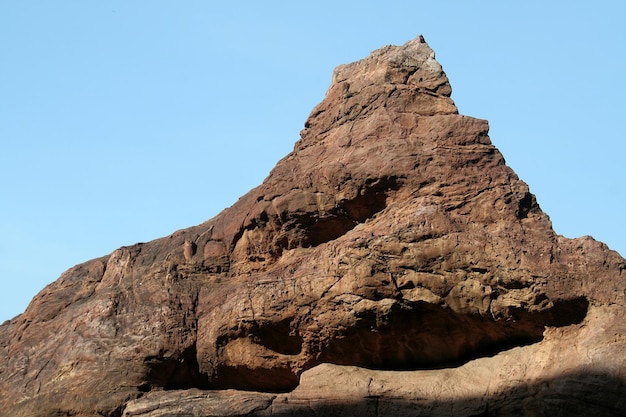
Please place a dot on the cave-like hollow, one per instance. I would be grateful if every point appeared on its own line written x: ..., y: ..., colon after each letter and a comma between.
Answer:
x: 427, y: 336
x: 409, y: 337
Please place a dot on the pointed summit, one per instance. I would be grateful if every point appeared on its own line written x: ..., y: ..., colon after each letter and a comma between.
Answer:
x: 399, y: 79
x: 411, y: 66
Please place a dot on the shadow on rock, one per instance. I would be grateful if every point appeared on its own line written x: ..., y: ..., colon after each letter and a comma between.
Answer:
x: 576, y: 394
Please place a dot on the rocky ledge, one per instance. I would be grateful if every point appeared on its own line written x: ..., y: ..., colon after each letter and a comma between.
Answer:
x: 391, y: 265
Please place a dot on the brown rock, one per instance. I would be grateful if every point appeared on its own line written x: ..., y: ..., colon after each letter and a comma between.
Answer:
x: 393, y: 238
x: 194, y: 402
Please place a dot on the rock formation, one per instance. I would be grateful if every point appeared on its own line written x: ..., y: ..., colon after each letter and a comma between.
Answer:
x: 391, y: 265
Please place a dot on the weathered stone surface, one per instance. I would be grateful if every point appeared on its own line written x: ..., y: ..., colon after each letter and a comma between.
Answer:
x: 194, y: 402
x: 572, y: 371
x: 393, y: 238
x: 567, y: 373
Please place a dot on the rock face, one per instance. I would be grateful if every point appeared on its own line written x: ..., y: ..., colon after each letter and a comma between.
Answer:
x: 391, y: 265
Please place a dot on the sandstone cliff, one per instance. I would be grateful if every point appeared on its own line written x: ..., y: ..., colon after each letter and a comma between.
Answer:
x: 391, y: 265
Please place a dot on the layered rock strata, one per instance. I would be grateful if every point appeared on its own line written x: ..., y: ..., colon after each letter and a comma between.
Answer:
x: 392, y: 264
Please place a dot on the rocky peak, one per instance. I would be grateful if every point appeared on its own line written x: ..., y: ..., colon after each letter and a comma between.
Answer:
x: 411, y: 66
x: 392, y: 264
x: 404, y: 79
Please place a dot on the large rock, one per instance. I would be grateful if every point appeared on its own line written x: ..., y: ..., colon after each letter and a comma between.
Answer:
x: 392, y: 264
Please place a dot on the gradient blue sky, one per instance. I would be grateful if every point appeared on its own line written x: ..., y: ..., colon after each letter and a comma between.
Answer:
x: 123, y: 121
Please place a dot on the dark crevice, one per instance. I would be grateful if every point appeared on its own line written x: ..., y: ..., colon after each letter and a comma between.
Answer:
x: 305, y: 228
x: 327, y: 229
x: 278, y: 337
x: 118, y: 412
x: 179, y: 371
x: 371, y: 200
x: 525, y: 205
x: 275, y: 379
x: 293, y: 229
x: 564, y: 313
x: 425, y: 336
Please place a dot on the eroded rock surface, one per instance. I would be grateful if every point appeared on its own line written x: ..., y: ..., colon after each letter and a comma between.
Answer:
x: 391, y: 262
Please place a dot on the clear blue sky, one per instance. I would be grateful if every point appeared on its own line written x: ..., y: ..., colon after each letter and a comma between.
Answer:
x: 123, y: 121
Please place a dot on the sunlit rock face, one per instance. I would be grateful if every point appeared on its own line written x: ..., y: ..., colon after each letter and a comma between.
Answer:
x: 391, y: 265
